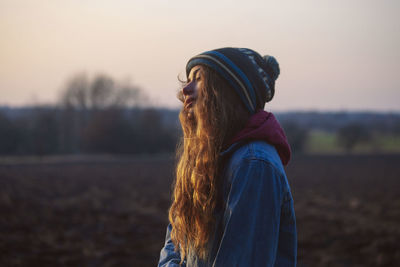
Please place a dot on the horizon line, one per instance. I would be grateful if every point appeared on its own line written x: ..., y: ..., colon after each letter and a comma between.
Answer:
x: 290, y: 110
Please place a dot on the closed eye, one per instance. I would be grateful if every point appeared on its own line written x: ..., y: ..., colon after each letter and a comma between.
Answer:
x: 194, y: 75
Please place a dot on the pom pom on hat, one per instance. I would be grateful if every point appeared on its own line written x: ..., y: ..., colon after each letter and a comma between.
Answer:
x: 273, y: 66
x: 273, y: 70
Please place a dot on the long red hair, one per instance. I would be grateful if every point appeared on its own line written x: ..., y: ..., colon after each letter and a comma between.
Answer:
x: 217, y: 115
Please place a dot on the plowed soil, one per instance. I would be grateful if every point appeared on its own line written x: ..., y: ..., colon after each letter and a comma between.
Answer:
x: 113, y: 212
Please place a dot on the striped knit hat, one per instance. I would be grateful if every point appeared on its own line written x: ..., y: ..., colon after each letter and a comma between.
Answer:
x: 251, y: 75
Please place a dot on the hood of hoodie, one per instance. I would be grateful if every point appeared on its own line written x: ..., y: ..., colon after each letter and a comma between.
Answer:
x: 264, y: 126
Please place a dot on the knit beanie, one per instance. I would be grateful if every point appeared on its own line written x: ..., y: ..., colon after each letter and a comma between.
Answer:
x: 251, y: 75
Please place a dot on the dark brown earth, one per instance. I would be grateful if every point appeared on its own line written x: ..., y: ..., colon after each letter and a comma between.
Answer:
x: 113, y: 212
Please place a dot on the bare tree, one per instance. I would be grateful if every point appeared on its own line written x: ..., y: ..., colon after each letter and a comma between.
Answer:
x: 85, y: 101
x: 102, y: 92
x: 352, y: 134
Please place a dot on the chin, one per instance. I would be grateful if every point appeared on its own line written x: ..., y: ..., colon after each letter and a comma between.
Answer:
x: 190, y: 113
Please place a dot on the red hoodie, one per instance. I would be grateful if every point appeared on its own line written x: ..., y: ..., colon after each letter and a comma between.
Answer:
x: 264, y: 126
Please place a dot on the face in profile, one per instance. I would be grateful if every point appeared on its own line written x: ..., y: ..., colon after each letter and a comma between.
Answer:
x: 190, y: 91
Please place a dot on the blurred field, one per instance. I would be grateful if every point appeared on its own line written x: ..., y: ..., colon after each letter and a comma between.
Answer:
x: 327, y: 143
x: 99, y: 211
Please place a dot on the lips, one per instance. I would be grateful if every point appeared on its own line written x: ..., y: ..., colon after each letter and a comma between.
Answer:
x: 189, y: 102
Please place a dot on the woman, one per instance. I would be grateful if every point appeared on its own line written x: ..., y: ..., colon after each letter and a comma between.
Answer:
x: 232, y: 204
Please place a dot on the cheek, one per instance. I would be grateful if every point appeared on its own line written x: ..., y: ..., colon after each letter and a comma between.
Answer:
x: 198, y: 92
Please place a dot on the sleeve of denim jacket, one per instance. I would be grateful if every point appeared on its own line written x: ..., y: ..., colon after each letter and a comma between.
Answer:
x: 168, y: 256
x: 252, y: 216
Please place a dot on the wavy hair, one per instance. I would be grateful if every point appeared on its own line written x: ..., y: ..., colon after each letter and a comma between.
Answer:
x: 217, y: 115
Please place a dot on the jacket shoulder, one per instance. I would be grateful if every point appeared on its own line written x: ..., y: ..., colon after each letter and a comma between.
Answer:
x: 254, y: 150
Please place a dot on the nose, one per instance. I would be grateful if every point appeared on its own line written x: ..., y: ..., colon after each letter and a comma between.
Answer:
x: 188, y: 89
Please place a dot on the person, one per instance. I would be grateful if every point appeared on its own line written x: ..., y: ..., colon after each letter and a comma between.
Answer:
x: 232, y: 203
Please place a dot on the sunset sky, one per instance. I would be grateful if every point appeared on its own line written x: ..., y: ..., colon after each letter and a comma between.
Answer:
x: 334, y: 55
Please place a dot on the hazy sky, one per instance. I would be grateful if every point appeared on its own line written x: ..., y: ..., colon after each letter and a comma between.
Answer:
x: 342, y: 54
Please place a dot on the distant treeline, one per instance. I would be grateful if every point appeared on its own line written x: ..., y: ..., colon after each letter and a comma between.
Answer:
x: 349, y: 128
x: 57, y: 130
x: 334, y: 120
x: 50, y: 130
x: 97, y: 115
x: 101, y: 115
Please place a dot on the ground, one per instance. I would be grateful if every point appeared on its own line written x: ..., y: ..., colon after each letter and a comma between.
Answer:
x: 105, y: 211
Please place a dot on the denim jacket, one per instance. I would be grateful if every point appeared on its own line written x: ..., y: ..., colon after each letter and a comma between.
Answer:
x: 257, y: 226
